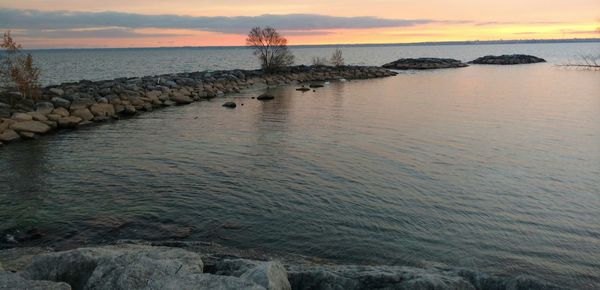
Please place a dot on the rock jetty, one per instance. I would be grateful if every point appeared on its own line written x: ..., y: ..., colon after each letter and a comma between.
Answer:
x: 424, y: 63
x: 508, y: 59
x: 143, y: 266
x: 72, y: 105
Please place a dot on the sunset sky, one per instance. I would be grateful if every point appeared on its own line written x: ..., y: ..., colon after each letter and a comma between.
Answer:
x: 143, y: 23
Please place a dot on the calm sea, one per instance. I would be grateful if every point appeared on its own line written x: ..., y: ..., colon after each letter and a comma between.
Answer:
x: 494, y: 168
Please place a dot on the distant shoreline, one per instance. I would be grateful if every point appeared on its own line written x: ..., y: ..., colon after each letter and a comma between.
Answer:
x: 440, y: 43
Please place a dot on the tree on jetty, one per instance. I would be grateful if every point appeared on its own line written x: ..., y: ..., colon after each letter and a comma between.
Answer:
x: 270, y: 48
x: 337, y: 59
x: 18, y: 71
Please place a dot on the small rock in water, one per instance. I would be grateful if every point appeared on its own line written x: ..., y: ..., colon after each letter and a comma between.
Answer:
x: 317, y: 85
x: 303, y: 89
x: 508, y: 59
x: 230, y: 105
x: 265, y: 97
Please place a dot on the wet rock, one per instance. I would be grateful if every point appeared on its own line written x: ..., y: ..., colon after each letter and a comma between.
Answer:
x: 303, y: 89
x: 37, y: 116
x: 508, y: 59
x: 230, y: 105
x: 424, y: 63
x: 265, y: 97
x: 69, y: 122
x: 316, y: 85
x: 9, y: 136
x: 270, y: 275
x: 31, y: 126
x: 84, y: 114
x: 10, y: 280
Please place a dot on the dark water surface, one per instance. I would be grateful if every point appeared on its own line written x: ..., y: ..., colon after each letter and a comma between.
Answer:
x: 487, y: 167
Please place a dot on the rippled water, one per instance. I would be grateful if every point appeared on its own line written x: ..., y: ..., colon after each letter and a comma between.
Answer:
x: 487, y: 167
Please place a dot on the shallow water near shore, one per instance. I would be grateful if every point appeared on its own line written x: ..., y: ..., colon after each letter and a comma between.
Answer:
x: 488, y: 167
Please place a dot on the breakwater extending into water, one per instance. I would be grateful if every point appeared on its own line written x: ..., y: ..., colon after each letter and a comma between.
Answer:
x: 71, y: 105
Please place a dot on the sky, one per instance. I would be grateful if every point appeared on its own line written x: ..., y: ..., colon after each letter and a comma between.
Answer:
x: 160, y: 23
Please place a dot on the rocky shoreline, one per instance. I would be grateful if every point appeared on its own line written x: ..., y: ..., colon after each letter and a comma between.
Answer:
x: 179, y: 265
x: 72, y: 105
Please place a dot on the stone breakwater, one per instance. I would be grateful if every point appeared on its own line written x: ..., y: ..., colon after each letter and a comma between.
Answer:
x: 145, y: 266
x: 72, y: 105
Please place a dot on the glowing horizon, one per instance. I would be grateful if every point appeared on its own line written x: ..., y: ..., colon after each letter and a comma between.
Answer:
x: 137, y: 23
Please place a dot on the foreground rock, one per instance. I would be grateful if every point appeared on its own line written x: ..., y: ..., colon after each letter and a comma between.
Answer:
x: 424, y: 63
x: 129, y: 266
x: 230, y: 105
x: 508, y: 59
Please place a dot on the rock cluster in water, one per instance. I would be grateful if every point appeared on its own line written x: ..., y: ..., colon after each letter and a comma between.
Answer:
x: 71, y: 105
x: 130, y: 266
x: 424, y: 63
x: 508, y: 59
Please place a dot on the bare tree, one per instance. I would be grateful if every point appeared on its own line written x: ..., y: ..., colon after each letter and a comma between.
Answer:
x: 337, y: 59
x: 17, y: 69
x: 270, y: 48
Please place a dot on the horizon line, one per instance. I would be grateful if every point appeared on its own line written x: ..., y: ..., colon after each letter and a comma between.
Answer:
x: 452, y: 42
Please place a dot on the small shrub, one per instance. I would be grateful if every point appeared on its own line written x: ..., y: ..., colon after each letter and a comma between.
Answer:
x: 270, y: 48
x: 18, y: 70
x: 319, y: 61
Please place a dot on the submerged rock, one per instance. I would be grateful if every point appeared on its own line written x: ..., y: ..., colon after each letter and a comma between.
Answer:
x: 316, y: 85
x: 303, y: 89
x: 508, y: 59
x: 265, y: 97
x: 424, y: 63
x: 230, y: 105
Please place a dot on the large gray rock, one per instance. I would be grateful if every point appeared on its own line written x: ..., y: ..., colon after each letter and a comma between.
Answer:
x: 14, y: 281
x: 60, y: 102
x: 69, y: 122
x: 375, y: 277
x: 57, y: 91
x: 31, y: 126
x: 270, y: 275
x: 44, y: 107
x: 424, y: 63
x: 130, y: 267
x: 79, y: 104
x: 508, y: 59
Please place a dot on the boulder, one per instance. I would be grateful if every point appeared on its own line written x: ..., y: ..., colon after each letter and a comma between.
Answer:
x: 31, y: 126
x: 27, y: 135
x: 270, y: 275
x: 22, y: 117
x: 9, y: 136
x: 61, y: 112
x: 316, y: 85
x: 511, y: 59
x: 230, y: 105
x: 69, y: 122
x: 84, y: 114
x: 265, y: 97
x: 103, y: 110
x: 10, y: 280
x: 79, y: 104
x: 130, y: 267
x: 181, y: 99
x: 37, y: 116
x: 44, y: 107
x: 424, y: 63
x: 57, y: 92
x: 60, y: 102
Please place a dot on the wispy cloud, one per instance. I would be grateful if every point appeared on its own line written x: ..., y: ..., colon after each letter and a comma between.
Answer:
x: 91, y: 33
x: 64, y: 20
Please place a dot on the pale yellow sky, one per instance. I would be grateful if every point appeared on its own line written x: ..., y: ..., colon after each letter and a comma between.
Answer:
x: 426, y: 20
